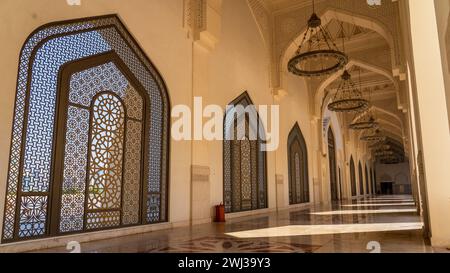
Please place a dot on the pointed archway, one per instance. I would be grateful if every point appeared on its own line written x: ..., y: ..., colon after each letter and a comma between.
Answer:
x: 334, y: 188
x: 298, y: 167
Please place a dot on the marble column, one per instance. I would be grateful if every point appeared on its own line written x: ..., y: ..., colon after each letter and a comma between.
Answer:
x: 433, y: 129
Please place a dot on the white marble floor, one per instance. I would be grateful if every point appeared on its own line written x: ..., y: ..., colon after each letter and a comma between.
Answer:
x: 388, y: 222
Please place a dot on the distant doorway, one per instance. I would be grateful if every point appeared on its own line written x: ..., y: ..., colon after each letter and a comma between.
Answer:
x: 387, y: 188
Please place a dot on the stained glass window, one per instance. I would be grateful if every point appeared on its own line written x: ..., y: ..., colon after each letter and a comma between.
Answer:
x: 89, y: 148
x: 298, y: 167
x: 245, y: 184
x: 353, y: 176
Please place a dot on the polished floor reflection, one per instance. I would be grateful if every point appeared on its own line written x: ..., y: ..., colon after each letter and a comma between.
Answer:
x: 396, y: 227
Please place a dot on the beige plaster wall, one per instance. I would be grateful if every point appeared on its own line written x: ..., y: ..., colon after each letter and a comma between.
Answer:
x: 294, y: 108
x: 443, y: 19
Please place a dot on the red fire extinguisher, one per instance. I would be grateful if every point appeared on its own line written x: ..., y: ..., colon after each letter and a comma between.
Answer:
x: 220, y: 213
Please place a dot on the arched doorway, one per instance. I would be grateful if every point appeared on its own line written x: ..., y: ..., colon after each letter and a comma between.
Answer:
x: 298, y: 167
x: 88, y: 152
x: 340, y: 183
x: 353, y: 176
x: 244, y: 161
x: 332, y: 165
x: 368, y: 190
x: 361, y: 182
x: 372, y: 182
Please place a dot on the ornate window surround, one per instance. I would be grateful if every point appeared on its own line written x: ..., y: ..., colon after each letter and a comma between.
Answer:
x: 125, y: 47
x: 258, y: 161
x: 296, y: 137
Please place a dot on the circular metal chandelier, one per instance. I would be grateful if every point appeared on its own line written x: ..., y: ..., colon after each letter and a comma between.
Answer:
x: 367, y: 121
x: 380, y: 145
x: 317, y: 54
x: 383, y: 153
x: 373, y: 135
x: 390, y: 159
x: 348, y: 97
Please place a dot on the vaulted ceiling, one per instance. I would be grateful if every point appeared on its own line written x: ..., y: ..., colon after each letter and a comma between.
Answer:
x: 371, y: 37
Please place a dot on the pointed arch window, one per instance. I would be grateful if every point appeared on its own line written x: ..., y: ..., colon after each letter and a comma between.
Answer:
x: 332, y: 165
x: 353, y: 176
x: 245, y: 182
x: 368, y: 190
x: 298, y: 167
x: 372, y: 178
x: 90, y: 135
x: 361, y: 181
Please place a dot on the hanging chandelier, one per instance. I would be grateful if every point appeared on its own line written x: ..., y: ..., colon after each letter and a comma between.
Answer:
x: 317, y: 54
x: 367, y: 121
x: 348, y: 97
x: 390, y: 159
x: 380, y: 145
x: 384, y: 153
x: 373, y: 135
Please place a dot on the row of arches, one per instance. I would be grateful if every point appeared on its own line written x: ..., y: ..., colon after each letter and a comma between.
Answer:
x: 367, y: 184
x: 370, y: 185
x: 244, y: 162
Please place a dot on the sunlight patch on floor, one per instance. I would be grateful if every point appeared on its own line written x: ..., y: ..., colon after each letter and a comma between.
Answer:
x: 379, y: 205
x: 375, y: 211
x: 391, y: 198
x: 306, y: 230
x: 385, y: 201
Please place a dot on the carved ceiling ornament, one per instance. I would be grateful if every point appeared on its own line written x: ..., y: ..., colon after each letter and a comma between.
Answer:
x: 195, y: 17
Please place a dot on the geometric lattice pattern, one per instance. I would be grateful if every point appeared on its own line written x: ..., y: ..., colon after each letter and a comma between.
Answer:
x: 74, y: 172
x: 298, y: 167
x: 85, y: 86
x: 101, y: 220
x: 33, y: 210
x: 298, y: 189
x: 132, y: 173
x: 106, y: 153
x: 245, y: 186
x: 31, y: 175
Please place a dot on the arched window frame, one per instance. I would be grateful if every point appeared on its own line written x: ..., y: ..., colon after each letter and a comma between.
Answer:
x: 258, y: 162
x: 361, y: 179
x: 126, y: 47
x: 296, y: 140
x: 368, y: 190
x: 353, y: 177
x: 332, y: 165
